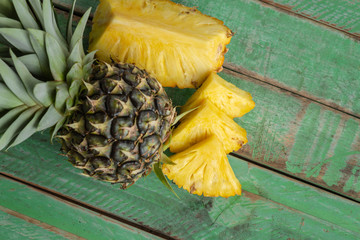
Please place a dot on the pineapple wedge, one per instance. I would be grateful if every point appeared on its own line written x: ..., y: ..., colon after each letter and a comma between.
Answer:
x: 224, y: 95
x: 204, y: 169
x: 178, y: 45
x: 203, y: 122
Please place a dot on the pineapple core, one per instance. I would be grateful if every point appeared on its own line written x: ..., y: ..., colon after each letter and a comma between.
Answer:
x: 203, y: 122
x: 178, y: 45
x: 224, y: 95
x: 204, y: 169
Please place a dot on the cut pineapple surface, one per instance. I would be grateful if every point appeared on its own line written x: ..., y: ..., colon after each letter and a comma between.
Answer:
x: 203, y: 122
x: 178, y: 45
x: 224, y: 95
x: 204, y: 169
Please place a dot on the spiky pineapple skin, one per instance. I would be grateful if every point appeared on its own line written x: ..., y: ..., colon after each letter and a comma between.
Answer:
x: 178, y: 45
x: 118, y: 128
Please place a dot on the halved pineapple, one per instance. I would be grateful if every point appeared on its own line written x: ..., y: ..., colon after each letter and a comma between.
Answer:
x: 204, y: 169
x: 203, y: 122
x: 178, y: 45
x: 224, y: 95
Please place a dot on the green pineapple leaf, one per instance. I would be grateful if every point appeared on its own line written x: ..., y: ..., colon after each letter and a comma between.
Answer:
x: 37, y: 8
x: 31, y: 61
x: 28, y: 80
x: 7, y: 99
x: 165, y: 159
x: 14, y: 83
x: 49, y: 119
x: 50, y: 25
x: 16, y: 126
x: 179, y: 117
x: 19, y: 38
x: 9, y: 23
x: 89, y: 58
x: 57, y: 58
x: 37, y: 39
x: 75, y: 73
x: 9, y: 117
x: 76, y: 55
x: 29, y: 129
x: 7, y: 8
x: 57, y: 127
x: 24, y: 14
x: 75, y: 88
x: 62, y: 94
x: 159, y: 173
x: 79, y: 31
x: 69, y: 31
x: 45, y: 92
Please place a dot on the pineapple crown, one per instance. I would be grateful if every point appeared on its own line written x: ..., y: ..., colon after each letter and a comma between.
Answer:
x: 42, y: 72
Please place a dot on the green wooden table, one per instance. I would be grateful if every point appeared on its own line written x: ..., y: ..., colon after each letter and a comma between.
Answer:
x: 300, y: 171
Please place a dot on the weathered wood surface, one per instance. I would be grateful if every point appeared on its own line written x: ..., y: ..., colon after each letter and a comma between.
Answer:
x: 61, y: 218
x: 291, y: 132
x: 271, y: 207
x: 297, y: 136
x: 289, y: 52
x: 343, y: 15
x: 12, y: 227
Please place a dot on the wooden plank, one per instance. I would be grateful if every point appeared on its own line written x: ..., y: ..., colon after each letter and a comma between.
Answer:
x: 342, y: 15
x: 283, y: 127
x: 53, y: 214
x: 291, y: 53
x: 271, y: 203
x: 12, y: 227
x: 297, y: 136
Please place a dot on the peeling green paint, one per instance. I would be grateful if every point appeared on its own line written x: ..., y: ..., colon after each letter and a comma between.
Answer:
x: 305, y: 139
x: 354, y: 182
x: 343, y: 14
x: 333, y: 172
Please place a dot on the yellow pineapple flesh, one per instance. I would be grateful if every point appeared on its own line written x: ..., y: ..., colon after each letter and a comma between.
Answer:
x: 204, y: 169
x: 203, y: 122
x: 178, y: 45
x: 224, y: 95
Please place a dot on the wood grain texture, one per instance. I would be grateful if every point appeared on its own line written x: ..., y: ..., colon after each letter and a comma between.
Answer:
x: 343, y: 15
x: 295, y: 135
x: 290, y: 132
x: 289, y: 52
x: 12, y: 227
x: 272, y: 205
x: 72, y: 221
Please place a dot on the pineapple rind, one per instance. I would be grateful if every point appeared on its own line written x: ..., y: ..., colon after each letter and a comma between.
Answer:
x: 203, y: 122
x: 224, y: 95
x: 204, y: 169
x: 176, y: 44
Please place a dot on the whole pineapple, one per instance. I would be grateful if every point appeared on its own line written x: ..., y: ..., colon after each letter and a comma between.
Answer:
x: 112, y: 119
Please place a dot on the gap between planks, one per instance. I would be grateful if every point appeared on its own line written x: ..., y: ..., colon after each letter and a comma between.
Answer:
x: 81, y: 204
x: 254, y: 76
x: 271, y: 82
x: 293, y: 177
x: 288, y: 10
x: 41, y: 224
x: 242, y: 72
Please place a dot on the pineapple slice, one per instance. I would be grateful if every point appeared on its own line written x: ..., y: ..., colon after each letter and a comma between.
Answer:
x: 203, y: 122
x: 178, y: 45
x: 204, y: 169
x: 224, y: 95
